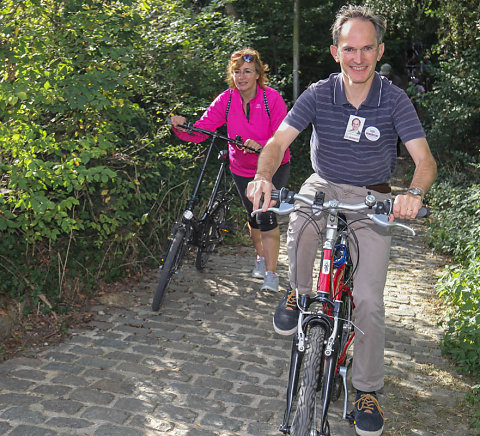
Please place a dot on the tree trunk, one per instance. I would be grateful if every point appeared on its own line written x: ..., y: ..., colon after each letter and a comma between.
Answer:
x: 296, y: 46
x: 230, y: 10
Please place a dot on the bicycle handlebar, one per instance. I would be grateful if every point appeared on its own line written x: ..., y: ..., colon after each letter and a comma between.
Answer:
x: 238, y: 141
x: 383, y: 209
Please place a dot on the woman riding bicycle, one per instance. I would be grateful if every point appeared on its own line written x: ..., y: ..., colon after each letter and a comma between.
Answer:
x: 252, y: 111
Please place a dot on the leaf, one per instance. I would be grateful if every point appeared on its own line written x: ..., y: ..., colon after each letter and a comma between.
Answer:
x: 22, y: 95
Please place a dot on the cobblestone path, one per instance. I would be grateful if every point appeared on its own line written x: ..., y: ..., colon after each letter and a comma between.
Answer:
x: 209, y: 363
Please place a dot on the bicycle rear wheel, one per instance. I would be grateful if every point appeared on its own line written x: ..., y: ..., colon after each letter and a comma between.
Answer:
x: 212, y: 234
x: 303, y: 420
x: 172, y: 262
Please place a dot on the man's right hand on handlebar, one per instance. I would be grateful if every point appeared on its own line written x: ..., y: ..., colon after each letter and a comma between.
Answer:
x: 256, y: 188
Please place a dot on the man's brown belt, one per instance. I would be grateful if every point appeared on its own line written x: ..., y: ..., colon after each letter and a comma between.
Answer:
x: 383, y: 188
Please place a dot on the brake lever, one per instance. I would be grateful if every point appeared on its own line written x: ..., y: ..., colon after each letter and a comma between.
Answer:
x: 283, y: 209
x: 382, y: 220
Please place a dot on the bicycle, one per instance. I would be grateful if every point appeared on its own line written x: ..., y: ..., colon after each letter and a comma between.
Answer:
x: 206, y: 231
x: 320, y: 359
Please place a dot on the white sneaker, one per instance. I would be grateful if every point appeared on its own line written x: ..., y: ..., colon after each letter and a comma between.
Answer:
x: 258, y: 271
x: 270, y: 283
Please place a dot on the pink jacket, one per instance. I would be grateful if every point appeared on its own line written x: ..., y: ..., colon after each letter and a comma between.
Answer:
x: 258, y: 127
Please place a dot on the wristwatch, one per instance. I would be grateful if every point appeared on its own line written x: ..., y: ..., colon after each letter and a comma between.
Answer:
x: 415, y: 191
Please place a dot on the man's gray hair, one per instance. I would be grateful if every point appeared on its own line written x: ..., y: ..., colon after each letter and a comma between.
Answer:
x: 349, y: 12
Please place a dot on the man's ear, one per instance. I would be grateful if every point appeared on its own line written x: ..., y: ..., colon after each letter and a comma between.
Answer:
x: 381, y: 49
x: 334, y: 53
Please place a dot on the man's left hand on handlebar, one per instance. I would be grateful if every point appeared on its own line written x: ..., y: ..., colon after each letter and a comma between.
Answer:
x: 406, y: 206
x: 256, y: 188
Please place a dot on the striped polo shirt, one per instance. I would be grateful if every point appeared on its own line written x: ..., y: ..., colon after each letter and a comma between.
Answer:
x: 370, y: 158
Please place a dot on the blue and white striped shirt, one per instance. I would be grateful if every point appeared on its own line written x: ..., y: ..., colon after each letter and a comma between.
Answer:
x: 387, y: 113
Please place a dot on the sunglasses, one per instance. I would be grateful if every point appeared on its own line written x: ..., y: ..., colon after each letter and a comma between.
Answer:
x: 248, y: 58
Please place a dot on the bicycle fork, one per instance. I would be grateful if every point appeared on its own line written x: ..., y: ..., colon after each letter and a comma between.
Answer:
x: 329, y: 364
x: 298, y: 349
x: 330, y: 367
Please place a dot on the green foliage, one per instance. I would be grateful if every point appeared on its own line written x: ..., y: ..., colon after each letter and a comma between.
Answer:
x: 460, y: 291
x: 408, y: 24
x: 474, y: 399
x: 455, y: 230
x: 457, y: 215
x: 90, y: 176
x: 454, y: 105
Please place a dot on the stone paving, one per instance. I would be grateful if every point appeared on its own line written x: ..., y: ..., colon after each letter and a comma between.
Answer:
x: 209, y: 363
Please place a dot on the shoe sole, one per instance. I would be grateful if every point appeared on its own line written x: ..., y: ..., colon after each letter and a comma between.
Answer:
x: 268, y: 288
x: 258, y: 276
x: 284, y: 332
x: 368, y: 433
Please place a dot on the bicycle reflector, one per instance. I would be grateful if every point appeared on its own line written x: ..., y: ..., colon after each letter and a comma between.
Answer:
x: 225, y: 227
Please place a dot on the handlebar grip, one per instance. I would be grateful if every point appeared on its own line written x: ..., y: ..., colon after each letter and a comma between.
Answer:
x: 186, y: 126
x: 275, y: 194
x: 423, y: 212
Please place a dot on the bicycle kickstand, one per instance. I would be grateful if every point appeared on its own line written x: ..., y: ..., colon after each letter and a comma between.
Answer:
x: 348, y: 416
x: 342, y: 370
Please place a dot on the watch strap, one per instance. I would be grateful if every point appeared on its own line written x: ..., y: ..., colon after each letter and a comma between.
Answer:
x: 415, y: 191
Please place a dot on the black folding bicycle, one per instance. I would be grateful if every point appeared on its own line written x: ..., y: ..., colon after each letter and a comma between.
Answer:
x: 203, y: 231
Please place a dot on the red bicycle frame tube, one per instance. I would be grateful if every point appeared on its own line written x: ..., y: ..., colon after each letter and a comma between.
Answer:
x: 335, y: 287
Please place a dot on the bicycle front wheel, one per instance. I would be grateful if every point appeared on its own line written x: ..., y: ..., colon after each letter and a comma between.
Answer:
x: 212, y: 234
x: 172, y: 262
x: 303, y: 420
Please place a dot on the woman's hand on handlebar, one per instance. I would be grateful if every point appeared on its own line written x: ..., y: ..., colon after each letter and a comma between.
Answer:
x: 259, y: 190
x: 178, y: 120
x: 254, y: 146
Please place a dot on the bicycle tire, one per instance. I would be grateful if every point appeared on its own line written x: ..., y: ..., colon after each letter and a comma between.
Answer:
x: 212, y: 234
x: 171, y: 264
x: 302, y: 422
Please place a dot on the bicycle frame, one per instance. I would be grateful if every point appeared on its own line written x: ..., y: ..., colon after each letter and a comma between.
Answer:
x: 331, y: 293
x: 188, y: 216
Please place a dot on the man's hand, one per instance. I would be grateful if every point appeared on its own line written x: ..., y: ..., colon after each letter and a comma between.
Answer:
x: 406, y: 206
x: 256, y: 188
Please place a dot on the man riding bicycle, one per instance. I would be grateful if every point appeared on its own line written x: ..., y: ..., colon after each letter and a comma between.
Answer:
x: 347, y: 167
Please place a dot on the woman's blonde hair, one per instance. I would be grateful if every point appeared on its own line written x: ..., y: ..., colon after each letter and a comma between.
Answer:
x: 239, y: 57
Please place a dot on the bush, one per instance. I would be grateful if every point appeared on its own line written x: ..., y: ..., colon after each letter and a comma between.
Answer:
x: 91, y: 179
x: 455, y: 230
x: 460, y: 292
